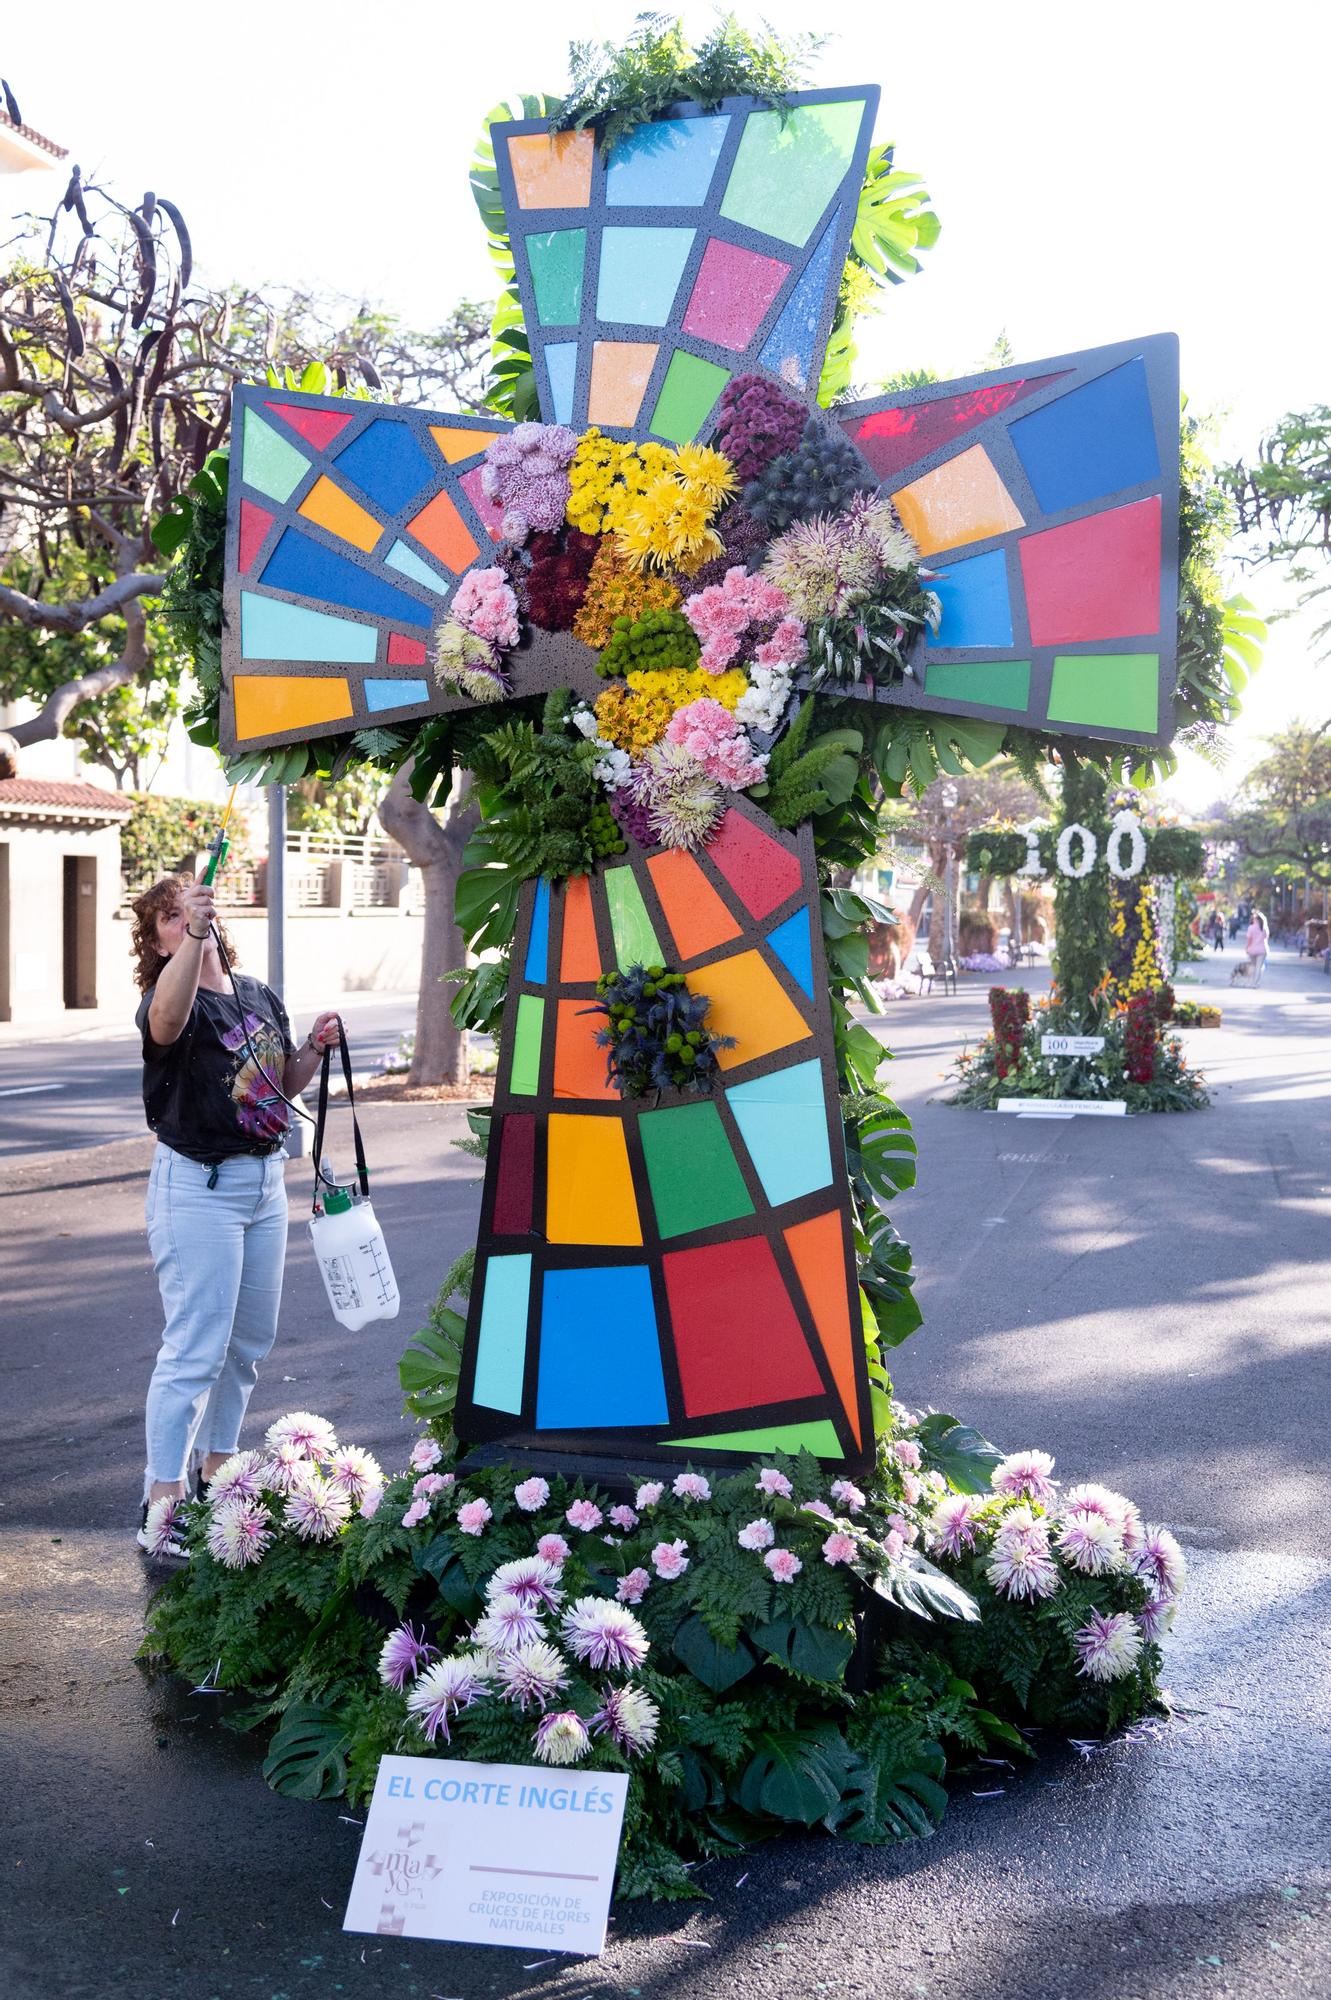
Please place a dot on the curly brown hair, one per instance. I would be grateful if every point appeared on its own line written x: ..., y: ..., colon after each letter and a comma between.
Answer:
x: 160, y: 901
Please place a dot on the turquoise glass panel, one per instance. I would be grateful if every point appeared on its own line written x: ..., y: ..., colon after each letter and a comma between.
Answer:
x: 790, y: 942
x: 501, y: 1345
x: 666, y: 165
x: 272, y: 464
x: 640, y: 274
x: 789, y: 165
x: 977, y: 610
x: 783, y: 1122
x: 535, y: 971
x: 394, y: 694
x: 788, y: 351
x: 556, y: 259
x: 561, y: 366
x: 410, y: 564
x: 271, y: 630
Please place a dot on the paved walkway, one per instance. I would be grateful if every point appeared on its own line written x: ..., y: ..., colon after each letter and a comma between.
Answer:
x: 1146, y: 1299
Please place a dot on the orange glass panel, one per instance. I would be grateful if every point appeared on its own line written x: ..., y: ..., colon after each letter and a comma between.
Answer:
x: 747, y: 1002
x: 698, y: 919
x: 579, y: 1062
x: 267, y: 703
x: 962, y: 501
x: 580, y: 957
x: 445, y: 534
x: 818, y: 1252
x: 621, y: 370
x: 553, y: 170
x: 331, y: 508
x: 459, y: 444
x: 589, y: 1195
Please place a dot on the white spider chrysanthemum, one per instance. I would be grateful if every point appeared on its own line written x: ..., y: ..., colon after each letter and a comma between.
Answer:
x: 630, y: 1717
x: 1158, y: 1558
x: 287, y: 1468
x: 604, y: 1634
x: 443, y: 1690
x: 239, y: 1477
x: 317, y: 1510
x: 1108, y: 1647
x: 561, y: 1738
x: 1090, y: 1543
x: 532, y: 1674
x: 239, y: 1533
x: 313, y: 1436
x: 531, y: 1578
x: 510, y: 1621
x: 354, y: 1472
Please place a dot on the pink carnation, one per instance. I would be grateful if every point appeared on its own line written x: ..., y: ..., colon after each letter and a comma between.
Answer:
x: 369, y: 1506
x: 848, y: 1494
x: 473, y: 1515
x: 431, y: 1483
x: 838, y: 1548
x: 820, y: 1508
x: 552, y: 1548
x: 911, y: 1488
x: 623, y: 1517
x: 691, y: 1486
x: 584, y: 1514
x: 786, y: 647
x: 771, y: 1481
x: 532, y: 1493
x: 758, y: 1535
x: 784, y: 1564
x: 649, y: 1494
x: 723, y: 612
x: 903, y: 1527
x: 484, y: 602
x: 711, y: 734
x: 630, y: 1588
x: 894, y: 1544
x: 906, y: 1452
x: 417, y: 1512
x: 669, y: 1559
x: 425, y: 1453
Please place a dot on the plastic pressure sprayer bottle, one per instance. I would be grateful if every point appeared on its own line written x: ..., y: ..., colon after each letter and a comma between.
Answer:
x: 349, y: 1245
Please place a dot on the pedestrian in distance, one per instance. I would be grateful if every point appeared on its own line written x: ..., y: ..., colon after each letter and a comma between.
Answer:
x: 1255, y: 945
x: 217, y: 1060
x: 1217, y: 932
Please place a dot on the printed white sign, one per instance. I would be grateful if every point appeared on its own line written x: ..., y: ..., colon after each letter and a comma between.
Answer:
x: 1071, y: 1045
x: 518, y: 1854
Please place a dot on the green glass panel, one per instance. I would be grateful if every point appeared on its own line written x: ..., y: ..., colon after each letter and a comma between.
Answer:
x: 270, y: 463
x: 818, y: 1437
x: 690, y: 388
x: 635, y: 940
x: 1107, y: 690
x: 556, y: 260
x: 998, y: 683
x: 525, y: 1076
x: 695, y: 1179
x: 789, y: 166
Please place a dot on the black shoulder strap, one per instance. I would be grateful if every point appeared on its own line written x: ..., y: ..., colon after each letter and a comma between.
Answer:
x: 362, y: 1171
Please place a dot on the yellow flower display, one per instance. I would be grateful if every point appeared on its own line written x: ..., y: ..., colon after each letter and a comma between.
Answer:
x: 607, y: 479
x: 635, y: 713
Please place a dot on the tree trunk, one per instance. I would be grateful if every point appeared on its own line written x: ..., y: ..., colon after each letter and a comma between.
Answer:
x: 940, y: 860
x: 435, y: 847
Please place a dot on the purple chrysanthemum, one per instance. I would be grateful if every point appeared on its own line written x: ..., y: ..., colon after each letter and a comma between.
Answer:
x: 239, y: 1533
x: 534, y: 1673
x: 604, y: 1635
x: 444, y: 1690
x: 1159, y: 1559
x: 531, y: 1578
x: 1108, y: 1647
x: 1024, y: 1475
x: 510, y: 1621
x: 403, y: 1654
x: 561, y: 1738
x: 317, y: 1510
x: 239, y: 1477
x: 630, y: 1718
x: 951, y: 1527
x: 313, y: 1437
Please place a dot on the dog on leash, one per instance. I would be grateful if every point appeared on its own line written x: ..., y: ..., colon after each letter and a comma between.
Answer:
x: 1242, y: 975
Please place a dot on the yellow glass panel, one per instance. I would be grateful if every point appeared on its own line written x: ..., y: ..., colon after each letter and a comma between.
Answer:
x: 267, y: 703
x: 553, y: 170
x: 621, y: 370
x: 962, y: 501
x: 331, y: 508
x: 748, y: 1003
x: 590, y: 1189
x: 459, y: 444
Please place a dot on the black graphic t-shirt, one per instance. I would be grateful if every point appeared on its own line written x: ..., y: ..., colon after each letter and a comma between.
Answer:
x: 204, y: 1095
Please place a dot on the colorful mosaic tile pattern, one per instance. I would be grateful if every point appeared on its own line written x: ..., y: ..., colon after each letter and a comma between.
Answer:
x: 1045, y: 499
x: 673, y: 1273
x: 703, y: 245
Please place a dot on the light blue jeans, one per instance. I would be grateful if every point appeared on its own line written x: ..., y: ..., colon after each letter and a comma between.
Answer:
x: 218, y: 1253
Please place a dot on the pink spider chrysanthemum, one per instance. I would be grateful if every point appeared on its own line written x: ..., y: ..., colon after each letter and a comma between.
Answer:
x: 165, y: 1524
x: 534, y: 1673
x: 1108, y: 1647
x: 239, y: 1533
x: 1159, y: 1559
x: 314, y: 1437
x: 354, y: 1472
x: 604, y: 1635
x: 287, y: 1468
x: 239, y: 1477
x: 1024, y: 1475
x: 952, y: 1525
x: 1157, y: 1617
x: 444, y: 1690
x: 402, y: 1655
x: 630, y: 1718
x: 509, y: 1622
x: 561, y: 1738
x: 318, y: 1509
x: 1090, y: 1543
x: 534, y: 1579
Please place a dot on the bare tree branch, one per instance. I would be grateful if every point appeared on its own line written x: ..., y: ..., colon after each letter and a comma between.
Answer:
x: 50, y: 718
x: 31, y: 611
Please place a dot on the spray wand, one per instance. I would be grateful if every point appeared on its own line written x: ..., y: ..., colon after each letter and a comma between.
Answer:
x: 221, y: 846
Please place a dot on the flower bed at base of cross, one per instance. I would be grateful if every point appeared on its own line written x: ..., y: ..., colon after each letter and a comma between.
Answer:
x: 1139, y: 1063
x: 759, y: 1649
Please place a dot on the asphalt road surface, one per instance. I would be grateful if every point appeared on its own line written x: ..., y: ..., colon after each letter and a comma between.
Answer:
x: 1146, y: 1298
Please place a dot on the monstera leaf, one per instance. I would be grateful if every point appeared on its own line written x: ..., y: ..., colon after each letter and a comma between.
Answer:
x: 919, y: 1586
x: 307, y: 1759
x: 794, y: 1774
x: 961, y: 1454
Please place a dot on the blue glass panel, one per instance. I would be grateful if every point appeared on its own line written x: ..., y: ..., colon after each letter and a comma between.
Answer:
x: 788, y: 351
x: 783, y: 1120
x: 976, y: 608
x: 538, y: 943
x: 640, y: 274
x: 501, y: 1344
x: 790, y: 942
x: 410, y: 564
x: 668, y: 165
x: 394, y: 694
x: 271, y: 630
x: 1091, y: 442
x: 600, y: 1357
x: 307, y: 570
x: 561, y: 365
x: 387, y: 463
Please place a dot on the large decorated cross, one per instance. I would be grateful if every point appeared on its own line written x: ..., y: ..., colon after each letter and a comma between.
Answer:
x: 674, y: 1274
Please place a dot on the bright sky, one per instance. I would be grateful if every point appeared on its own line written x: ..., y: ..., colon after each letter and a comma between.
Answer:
x: 1100, y: 173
